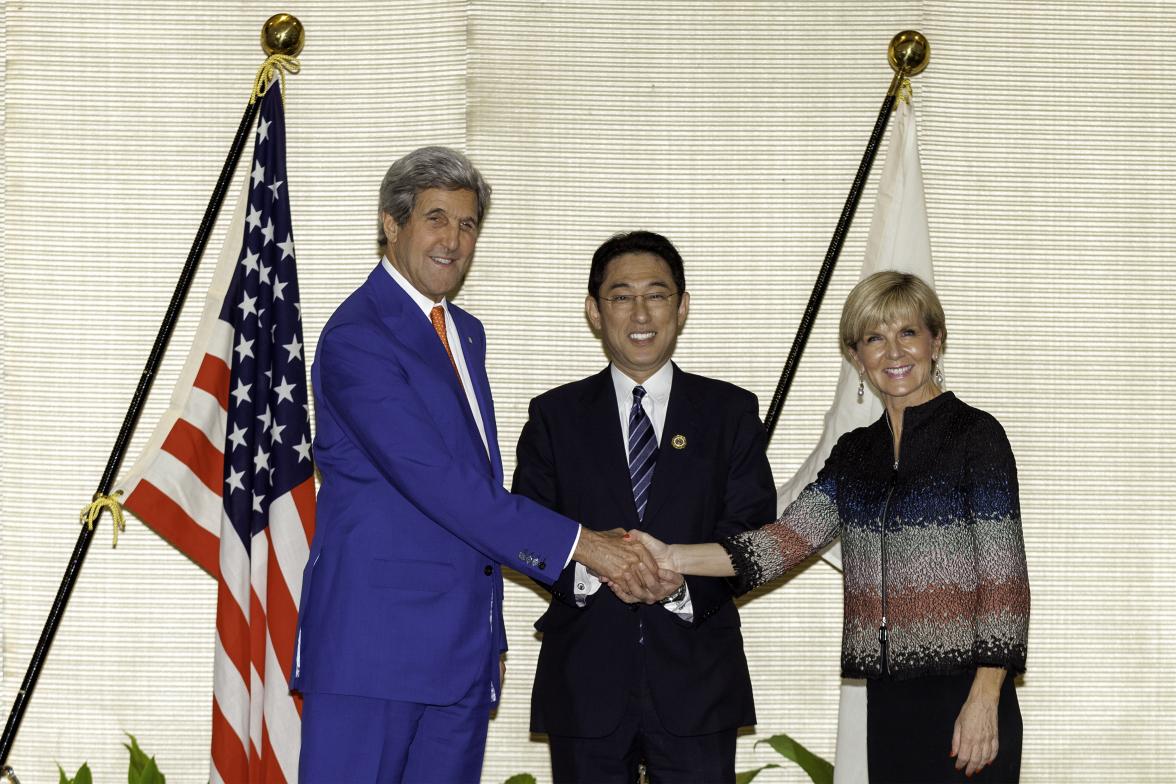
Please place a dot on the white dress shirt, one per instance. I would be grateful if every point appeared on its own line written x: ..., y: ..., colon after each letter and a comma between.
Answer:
x: 655, y: 403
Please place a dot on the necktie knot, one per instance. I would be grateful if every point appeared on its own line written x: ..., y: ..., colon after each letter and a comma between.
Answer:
x: 638, y: 393
x: 437, y: 316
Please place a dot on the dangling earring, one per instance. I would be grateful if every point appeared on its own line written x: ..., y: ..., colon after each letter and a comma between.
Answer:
x: 861, y: 387
x: 938, y: 372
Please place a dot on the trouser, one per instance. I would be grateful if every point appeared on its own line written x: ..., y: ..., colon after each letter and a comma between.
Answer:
x: 641, y: 736
x: 367, y: 740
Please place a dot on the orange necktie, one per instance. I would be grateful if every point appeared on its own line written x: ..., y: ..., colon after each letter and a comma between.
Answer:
x: 437, y: 316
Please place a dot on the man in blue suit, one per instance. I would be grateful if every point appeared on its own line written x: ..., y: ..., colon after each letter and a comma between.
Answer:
x: 665, y: 451
x: 400, y: 631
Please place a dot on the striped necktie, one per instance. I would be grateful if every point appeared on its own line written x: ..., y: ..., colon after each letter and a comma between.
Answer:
x: 642, y: 452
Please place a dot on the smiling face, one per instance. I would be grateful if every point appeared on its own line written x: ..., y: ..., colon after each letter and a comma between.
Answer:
x: 897, y: 358
x: 638, y: 335
x: 435, y: 246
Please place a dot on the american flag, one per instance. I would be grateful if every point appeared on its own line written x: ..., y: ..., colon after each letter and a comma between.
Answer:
x: 227, y: 476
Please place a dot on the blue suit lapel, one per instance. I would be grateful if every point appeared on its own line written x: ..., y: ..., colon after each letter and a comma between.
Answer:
x: 439, y: 387
x: 410, y: 327
x: 473, y: 348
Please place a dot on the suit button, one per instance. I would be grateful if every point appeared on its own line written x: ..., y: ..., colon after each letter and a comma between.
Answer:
x: 542, y: 565
x: 489, y: 570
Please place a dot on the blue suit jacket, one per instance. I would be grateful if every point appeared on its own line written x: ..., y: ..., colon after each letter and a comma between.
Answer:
x: 402, y: 593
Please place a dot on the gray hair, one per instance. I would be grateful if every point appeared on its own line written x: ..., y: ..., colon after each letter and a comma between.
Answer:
x: 421, y: 169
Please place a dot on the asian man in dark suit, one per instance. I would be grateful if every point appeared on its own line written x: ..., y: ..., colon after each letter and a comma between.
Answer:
x: 400, y: 628
x: 619, y: 681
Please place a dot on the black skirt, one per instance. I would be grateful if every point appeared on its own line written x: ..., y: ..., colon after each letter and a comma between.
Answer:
x: 910, y: 723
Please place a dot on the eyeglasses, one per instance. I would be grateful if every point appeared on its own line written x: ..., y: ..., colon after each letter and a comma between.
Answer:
x: 654, y: 300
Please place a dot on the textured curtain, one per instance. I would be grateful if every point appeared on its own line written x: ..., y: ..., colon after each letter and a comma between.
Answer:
x: 1046, y: 133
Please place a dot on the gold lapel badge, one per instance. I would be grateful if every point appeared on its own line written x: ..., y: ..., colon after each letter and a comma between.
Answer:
x: 678, y: 441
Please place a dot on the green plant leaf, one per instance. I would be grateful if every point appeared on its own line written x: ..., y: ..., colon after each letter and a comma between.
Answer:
x: 149, y: 775
x: 746, y: 776
x: 138, y: 758
x: 521, y: 778
x: 83, y: 775
x: 818, y: 768
x: 142, y: 769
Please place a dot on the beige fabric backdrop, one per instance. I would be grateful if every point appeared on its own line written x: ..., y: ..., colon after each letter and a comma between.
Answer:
x: 1047, y: 135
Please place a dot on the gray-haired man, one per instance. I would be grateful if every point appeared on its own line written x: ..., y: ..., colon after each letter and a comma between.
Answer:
x: 400, y: 626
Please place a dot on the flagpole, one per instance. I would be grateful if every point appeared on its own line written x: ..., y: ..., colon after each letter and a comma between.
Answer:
x: 908, y: 54
x: 281, y: 35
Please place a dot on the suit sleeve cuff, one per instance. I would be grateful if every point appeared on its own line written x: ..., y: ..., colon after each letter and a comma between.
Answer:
x: 575, y: 544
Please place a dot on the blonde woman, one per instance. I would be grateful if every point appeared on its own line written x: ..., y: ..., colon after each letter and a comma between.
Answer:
x: 936, y: 588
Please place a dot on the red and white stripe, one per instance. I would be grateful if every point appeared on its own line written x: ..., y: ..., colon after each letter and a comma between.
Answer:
x: 176, y: 488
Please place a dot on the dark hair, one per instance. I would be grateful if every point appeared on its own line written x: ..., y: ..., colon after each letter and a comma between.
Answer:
x: 421, y: 169
x: 634, y: 242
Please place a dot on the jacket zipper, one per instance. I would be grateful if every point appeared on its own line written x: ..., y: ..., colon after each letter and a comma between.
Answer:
x: 883, y: 629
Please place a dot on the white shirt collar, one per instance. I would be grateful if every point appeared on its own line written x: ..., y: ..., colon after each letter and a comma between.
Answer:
x: 656, y: 386
x: 424, y: 303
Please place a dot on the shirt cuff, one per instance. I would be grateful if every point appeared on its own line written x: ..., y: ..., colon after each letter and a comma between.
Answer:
x: 585, y: 585
x: 684, y: 607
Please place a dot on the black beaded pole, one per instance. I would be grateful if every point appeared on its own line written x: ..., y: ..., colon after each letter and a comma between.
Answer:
x: 908, y: 55
x: 278, y: 36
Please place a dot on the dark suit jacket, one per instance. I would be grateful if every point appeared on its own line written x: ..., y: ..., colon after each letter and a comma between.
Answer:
x: 402, y: 594
x: 571, y: 458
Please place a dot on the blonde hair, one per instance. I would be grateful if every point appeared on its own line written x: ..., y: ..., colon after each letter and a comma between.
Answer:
x: 884, y: 297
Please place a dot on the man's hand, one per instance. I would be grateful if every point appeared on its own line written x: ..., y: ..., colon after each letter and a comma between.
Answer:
x: 665, y: 583
x: 622, y: 563
x: 656, y: 585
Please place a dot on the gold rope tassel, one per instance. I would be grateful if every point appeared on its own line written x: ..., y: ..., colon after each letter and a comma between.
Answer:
x: 905, y: 92
x: 275, y: 68
x: 91, y: 513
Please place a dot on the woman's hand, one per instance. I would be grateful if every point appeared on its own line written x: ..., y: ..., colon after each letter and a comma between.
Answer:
x: 703, y: 560
x: 974, y: 741
x: 661, y: 552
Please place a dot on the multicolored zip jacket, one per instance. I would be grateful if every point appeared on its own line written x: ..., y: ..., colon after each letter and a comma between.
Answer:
x: 934, y: 559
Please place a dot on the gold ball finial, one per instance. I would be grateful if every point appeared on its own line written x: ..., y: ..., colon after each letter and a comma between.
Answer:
x: 909, y: 52
x: 282, y: 34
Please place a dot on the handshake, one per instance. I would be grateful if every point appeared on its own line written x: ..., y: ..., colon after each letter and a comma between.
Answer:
x: 635, y: 565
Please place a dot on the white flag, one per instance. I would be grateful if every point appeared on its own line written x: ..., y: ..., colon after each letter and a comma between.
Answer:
x: 899, y: 240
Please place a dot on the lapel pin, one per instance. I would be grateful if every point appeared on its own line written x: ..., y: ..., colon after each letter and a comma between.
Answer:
x: 469, y: 340
x: 678, y: 441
